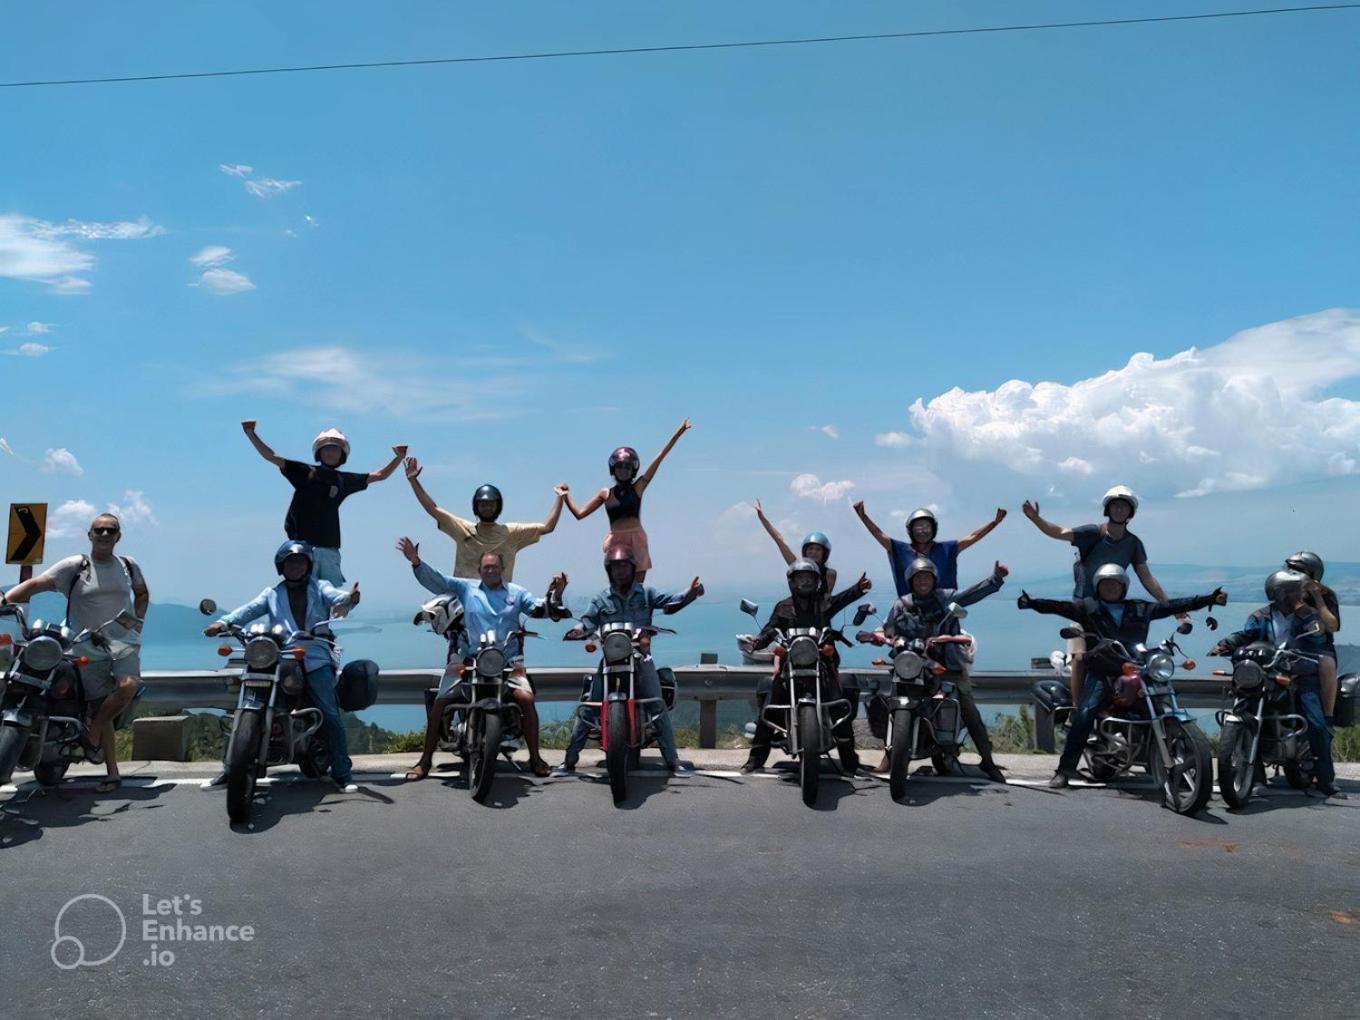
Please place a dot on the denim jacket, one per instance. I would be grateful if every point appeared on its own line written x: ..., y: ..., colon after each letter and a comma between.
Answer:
x: 272, y: 603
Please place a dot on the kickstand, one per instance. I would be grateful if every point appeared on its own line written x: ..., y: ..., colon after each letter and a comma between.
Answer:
x: 517, y: 766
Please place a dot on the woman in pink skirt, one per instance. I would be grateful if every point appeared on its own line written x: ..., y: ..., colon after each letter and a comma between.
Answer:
x: 623, y: 501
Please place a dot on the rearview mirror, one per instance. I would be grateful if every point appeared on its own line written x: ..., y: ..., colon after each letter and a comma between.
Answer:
x: 863, y: 613
x: 207, y: 607
x: 749, y: 608
x: 1071, y: 632
x: 957, y: 611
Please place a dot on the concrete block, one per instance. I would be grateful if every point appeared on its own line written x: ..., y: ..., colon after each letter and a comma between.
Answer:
x: 160, y: 738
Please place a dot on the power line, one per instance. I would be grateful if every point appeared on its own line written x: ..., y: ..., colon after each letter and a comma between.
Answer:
x: 689, y: 47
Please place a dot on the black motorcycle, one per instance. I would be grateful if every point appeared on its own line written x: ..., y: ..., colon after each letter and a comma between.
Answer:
x: 1264, y: 726
x: 44, y: 716
x: 1145, y: 726
x: 489, y: 724
x: 623, y: 722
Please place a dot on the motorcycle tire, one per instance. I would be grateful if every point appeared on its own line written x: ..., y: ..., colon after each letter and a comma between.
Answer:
x: 1186, y: 789
x: 810, y: 760
x: 241, y: 766
x: 12, y: 741
x: 482, y: 766
x: 50, y: 773
x: 616, y: 754
x: 899, y: 756
x: 1235, y: 773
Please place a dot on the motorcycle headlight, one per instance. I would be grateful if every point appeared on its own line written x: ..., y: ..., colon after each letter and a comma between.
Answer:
x: 1160, y: 667
x: 491, y: 662
x: 261, y: 653
x: 618, y: 646
x: 1248, y: 676
x: 42, y: 654
x: 803, y: 652
x: 908, y: 665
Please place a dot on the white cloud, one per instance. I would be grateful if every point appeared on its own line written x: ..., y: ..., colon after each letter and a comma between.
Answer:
x: 71, y: 518
x: 124, y: 230
x: 212, y: 255
x: 68, y: 285
x: 235, y: 169
x: 224, y: 281
x: 1248, y: 413
x: 893, y: 439
x: 268, y: 187
x: 37, y: 328
x: 312, y: 221
x: 29, y: 350
x: 826, y: 430
x: 134, y: 509
x: 7, y: 448
x: 809, y: 486
x: 61, y: 461
x: 41, y: 251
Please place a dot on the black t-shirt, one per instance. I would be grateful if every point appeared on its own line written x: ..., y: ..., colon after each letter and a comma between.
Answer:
x: 314, y: 513
x: 1095, y: 549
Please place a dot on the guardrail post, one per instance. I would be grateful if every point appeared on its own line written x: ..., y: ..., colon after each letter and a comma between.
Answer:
x: 708, y: 723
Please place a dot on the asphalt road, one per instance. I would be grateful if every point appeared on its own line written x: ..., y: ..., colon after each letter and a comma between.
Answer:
x: 712, y: 896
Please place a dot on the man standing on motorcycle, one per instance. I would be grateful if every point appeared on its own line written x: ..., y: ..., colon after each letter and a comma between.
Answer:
x: 628, y: 601
x: 920, y: 614
x: 1097, y: 545
x: 474, y: 539
x: 298, y: 603
x: 806, y: 606
x: 1109, y: 615
x: 489, y: 604
x: 922, y: 527
x: 816, y: 547
x: 98, y: 587
x: 1323, y: 601
x: 318, y: 490
x: 1290, y: 619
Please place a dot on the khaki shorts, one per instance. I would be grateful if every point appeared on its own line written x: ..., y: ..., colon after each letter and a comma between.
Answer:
x: 97, y: 679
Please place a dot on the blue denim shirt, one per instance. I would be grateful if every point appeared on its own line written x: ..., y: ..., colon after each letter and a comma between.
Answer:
x: 495, y: 609
x: 272, y: 603
x: 635, y: 608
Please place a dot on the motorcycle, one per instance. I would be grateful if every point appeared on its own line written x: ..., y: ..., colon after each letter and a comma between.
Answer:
x: 921, y: 704
x: 1154, y: 732
x: 624, y: 723
x: 1264, y: 726
x: 274, y: 722
x: 43, y: 711
x: 803, y: 727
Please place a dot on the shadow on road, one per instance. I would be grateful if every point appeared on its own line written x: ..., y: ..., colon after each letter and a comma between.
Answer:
x: 34, y: 809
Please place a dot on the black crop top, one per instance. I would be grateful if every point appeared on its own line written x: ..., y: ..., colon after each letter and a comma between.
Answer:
x: 629, y: 503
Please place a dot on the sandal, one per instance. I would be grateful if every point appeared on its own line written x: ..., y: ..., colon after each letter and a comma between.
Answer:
x: 417, y: 772
x: 109, y: 784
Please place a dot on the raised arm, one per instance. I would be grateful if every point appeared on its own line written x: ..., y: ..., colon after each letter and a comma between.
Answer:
x: 988, y: 586
x: 550, y: 524
x: 1051, y: 530
x: 851, y: 594
x: 248, y: 427
x: 429, y: 578
x: 426, y: 501
x: 594, y: 503
x: 872, y: 528
x: 385, y: 472
x: 773, y: 532
x: 973, y: 538
x: 650, y: 473
x: 1317, y: 599
x: 1179, y: 607
x: 674, y: 603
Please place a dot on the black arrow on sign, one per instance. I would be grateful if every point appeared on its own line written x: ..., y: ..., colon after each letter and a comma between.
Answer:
x: 31, y: 533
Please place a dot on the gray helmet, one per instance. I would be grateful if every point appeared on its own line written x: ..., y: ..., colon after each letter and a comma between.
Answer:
x: 1111, y: 572
x: 922, y: 514
x: 1283, y: 583
x: 802, y: 566
x: 1309, y: 563
x: 921, y: 565
x: 817, y: 538
x: 488, y: 491
x: 293, y: 548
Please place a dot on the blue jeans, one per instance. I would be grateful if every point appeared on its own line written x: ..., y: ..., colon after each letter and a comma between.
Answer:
x: 1095, y: 695
x: 648, y: 686
x: 321, y: 687
x: 1319, y: 737
x: 326, y: 565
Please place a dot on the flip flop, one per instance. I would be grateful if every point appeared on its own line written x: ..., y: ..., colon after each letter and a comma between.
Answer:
x: 416, y: 773
x: 108, y: 785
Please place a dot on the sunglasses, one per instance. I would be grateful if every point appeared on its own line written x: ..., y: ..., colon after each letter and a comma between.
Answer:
x: 103, y: 531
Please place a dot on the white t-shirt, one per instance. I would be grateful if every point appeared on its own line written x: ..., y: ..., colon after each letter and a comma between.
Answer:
x: 101, y: 591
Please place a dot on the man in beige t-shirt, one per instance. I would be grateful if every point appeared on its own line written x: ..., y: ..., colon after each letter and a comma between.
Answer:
x: 474, y: 539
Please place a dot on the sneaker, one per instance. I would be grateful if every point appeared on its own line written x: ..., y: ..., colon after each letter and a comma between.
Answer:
x: 1058, y: 782
x: 1335, y: 793
x: 751, y: 765
x: 219, y: 780
x: 680, y: 770
x: 345, y: 786
x: 560, y: 771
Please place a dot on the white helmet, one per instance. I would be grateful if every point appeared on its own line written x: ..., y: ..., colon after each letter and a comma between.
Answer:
x: 443, y: 613
x: 1120, y: 492
x: 331, y: 437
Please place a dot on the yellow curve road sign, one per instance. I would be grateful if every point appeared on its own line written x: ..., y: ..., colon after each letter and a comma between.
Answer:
x: 27, y: 528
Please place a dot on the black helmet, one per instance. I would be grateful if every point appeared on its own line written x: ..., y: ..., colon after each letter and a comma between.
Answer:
x: 1309, y: 563
x: 922, y: 514
x: 1284, y: 583
x: 625, y: 455
x: 800, y: 569
x: 488, y: 491
x: 292, y: 548
x: 921, y: 565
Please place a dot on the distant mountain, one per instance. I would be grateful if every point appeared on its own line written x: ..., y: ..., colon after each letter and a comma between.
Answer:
x: 1243, y: 584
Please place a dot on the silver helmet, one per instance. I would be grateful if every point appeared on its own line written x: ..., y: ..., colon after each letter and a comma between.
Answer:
x: 1111, y: 572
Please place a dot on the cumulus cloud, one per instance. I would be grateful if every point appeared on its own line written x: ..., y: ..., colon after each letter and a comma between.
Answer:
x: 212, y: 255
x: 1248, y: 413
x: 224, y: 281
x: 826, y: 430
x: 809, y: 486
x: 71, y: 518
x: 38, y: 328
x: 268, y: 187
x: 69, y: 285
x: 29, y: 350
x: 134, y: 509
x: 6, y: 447
x: 236, y: 169
x: 893, y: 439
x: 61, y: 461
x: 46, y: 252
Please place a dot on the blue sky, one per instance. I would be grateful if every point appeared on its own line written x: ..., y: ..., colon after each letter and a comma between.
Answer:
x: 515, y: 267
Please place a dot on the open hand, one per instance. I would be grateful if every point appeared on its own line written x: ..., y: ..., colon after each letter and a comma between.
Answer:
x: 1031, y: 509
x: 558, y: 583
x: 400, y: 451
x: 409, y: 549
x: 1000, y: 514
x: 756, y: 503
x: 696, y: 589
x: 413, y: 469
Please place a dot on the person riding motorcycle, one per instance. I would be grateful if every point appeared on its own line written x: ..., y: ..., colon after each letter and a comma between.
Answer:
x: 1323, y: 601
x: 919, y: 615
x: 489, y: 604
x: 1111, y: 614
x: 1288, y: 618
x: 628, y: 601
x: 806, y: 606
x: 297, y: 603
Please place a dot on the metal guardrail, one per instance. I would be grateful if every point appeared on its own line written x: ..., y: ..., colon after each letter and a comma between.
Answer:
x: 706, y: 684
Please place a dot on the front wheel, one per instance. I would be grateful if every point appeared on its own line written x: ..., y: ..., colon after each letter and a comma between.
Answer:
x: 12, y: 741
x: 1187, y: 784
x: 1235, y: 772
x: 616, y: 749
x: 899, y: 755
x: 482, y: 768
x: 810, y: 760
x: 245, y: 754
